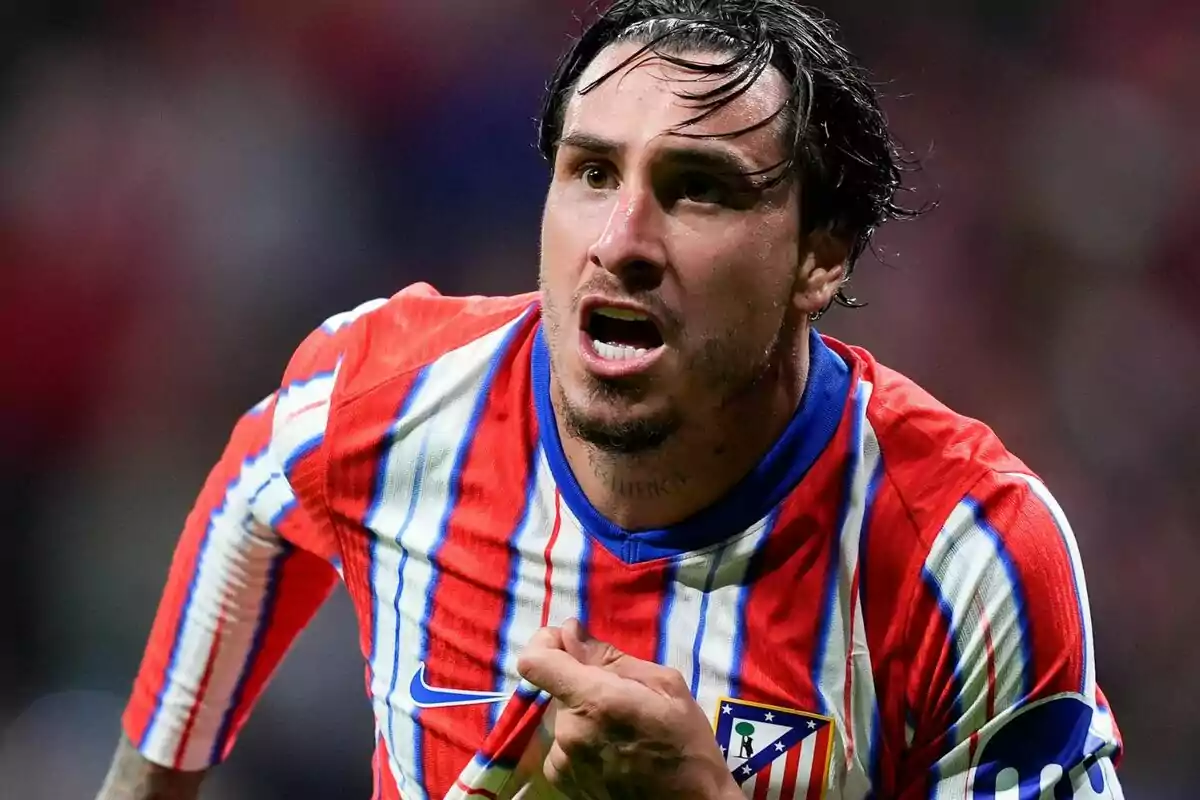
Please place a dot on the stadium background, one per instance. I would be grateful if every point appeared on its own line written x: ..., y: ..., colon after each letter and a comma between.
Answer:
x: 185, y: 193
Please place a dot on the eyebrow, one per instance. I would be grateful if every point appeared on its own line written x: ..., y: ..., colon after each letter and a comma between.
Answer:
x: 717, y: 159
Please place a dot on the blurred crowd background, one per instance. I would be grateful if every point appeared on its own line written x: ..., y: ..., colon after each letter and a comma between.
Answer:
x: 186, y: 189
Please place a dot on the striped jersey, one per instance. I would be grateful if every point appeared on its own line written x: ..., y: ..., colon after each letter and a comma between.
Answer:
x: 889, y: 605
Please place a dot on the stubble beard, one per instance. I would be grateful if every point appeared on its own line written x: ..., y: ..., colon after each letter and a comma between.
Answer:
x: 733, y: 368
x: 732, y: 371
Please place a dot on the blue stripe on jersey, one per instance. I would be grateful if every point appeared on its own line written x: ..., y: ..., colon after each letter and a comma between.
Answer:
x: 453, y: 490
x: 265, y: 611
x: 789, y: 459
x: 874, y: 751
x: 863, y: 541
x: 173, y: 659
x: 828, y: 605
x: 738, y: 646
x: 664, y: 613
x: 1014, y: 578
x: 510, y: 588
x: 709, y: 580
x: 300, y: 452
x: 585, y: 573
x: 300, y: 384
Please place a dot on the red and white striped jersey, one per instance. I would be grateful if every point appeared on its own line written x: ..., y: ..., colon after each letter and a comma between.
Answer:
x: 889, y: 605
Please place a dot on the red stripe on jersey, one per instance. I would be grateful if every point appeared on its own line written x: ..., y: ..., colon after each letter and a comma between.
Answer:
x: 972, y: 746
x: 820, y: 764
x: 1041, y: 566
x: 250, y: 436
x: 890, y: 557
x: 467, y: 790
x: 784, y: 603
x: 385, y: 781
x: 302, y: 584
x: 473, y: 564
x: 791, y: 773
x: 762, y: 782
x: 549, y: 586
x: 624, y: 602
x: 1102, y: 705
x: 932, y: 685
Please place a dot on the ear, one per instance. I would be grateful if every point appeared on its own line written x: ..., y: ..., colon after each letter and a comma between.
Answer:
x: 822, y: 271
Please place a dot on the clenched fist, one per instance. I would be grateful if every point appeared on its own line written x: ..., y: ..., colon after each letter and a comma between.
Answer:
x: 622, y: 727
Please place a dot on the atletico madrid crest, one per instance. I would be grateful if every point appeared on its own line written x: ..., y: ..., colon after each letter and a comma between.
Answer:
x: 775, y: 752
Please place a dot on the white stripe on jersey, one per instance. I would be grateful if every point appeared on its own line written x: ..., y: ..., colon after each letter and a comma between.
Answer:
x: 974, y: 583
x: 721, y: 617
x: 407, y: 518
x: 843, y: 648
x: 1040, y: 491
x: 528, y: 594
x: 301, y: 414
x: 240, y: 547
x: 339, y: 321
x: 568, y: 560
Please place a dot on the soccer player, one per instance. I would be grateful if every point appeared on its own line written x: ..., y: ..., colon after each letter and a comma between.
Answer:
x: 646, y: 533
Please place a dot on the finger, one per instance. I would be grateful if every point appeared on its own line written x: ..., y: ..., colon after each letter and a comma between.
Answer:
x: 560, y: 674
x: 597, y: 653
x: 572, y: 774
x: 664, y: 680
x: 584, y: 648
x: 549, y: 638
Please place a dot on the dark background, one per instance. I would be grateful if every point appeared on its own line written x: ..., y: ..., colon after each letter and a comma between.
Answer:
x: 185, y: 193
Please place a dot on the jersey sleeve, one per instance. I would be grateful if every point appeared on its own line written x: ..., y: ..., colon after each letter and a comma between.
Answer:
x: 1003, y: 690
x: 255, y: 561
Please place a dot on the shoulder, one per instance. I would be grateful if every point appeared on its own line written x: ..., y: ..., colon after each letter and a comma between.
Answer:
x: 404, y: 332
x: 415, y: 328
x: 931, y: 455
x: 380, y: 343
x: 962, y: 514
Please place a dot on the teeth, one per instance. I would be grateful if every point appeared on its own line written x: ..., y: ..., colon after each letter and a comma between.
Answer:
x: 617, y: 352
x: 621, y: 313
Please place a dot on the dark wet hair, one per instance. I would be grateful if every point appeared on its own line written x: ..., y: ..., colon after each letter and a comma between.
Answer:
x: 847, y: 162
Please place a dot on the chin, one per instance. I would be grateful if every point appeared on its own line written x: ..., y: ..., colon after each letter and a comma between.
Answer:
x: 610, y: 419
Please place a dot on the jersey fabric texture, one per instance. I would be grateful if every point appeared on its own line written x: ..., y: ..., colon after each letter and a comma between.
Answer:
x: 889, y: 605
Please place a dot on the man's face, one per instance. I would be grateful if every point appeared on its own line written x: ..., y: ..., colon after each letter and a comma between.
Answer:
x: 666, y: 275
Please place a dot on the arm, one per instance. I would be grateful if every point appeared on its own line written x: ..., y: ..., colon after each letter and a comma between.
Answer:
x: 1003, y: 690
x: 252, y: 567
x: 132, y: 777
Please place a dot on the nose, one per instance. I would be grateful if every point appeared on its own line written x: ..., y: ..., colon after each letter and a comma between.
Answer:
x: 631, y: 245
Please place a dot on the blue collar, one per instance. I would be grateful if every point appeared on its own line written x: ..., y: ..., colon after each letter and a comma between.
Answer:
x: 789, y: 459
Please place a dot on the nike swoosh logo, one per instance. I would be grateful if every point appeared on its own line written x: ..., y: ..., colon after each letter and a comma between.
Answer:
x: 426, y: 696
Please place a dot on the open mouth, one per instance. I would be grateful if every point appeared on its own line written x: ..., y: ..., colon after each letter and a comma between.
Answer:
x: 620, y: 334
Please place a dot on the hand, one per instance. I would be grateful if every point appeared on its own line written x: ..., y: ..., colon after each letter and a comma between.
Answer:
x: 623, y: 727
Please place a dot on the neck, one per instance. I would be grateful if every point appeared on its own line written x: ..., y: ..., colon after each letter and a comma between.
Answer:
x: 703, y: 461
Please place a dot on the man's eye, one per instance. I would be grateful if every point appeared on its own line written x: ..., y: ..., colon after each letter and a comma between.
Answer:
x: 596, y: 176
x: 701, y: 189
